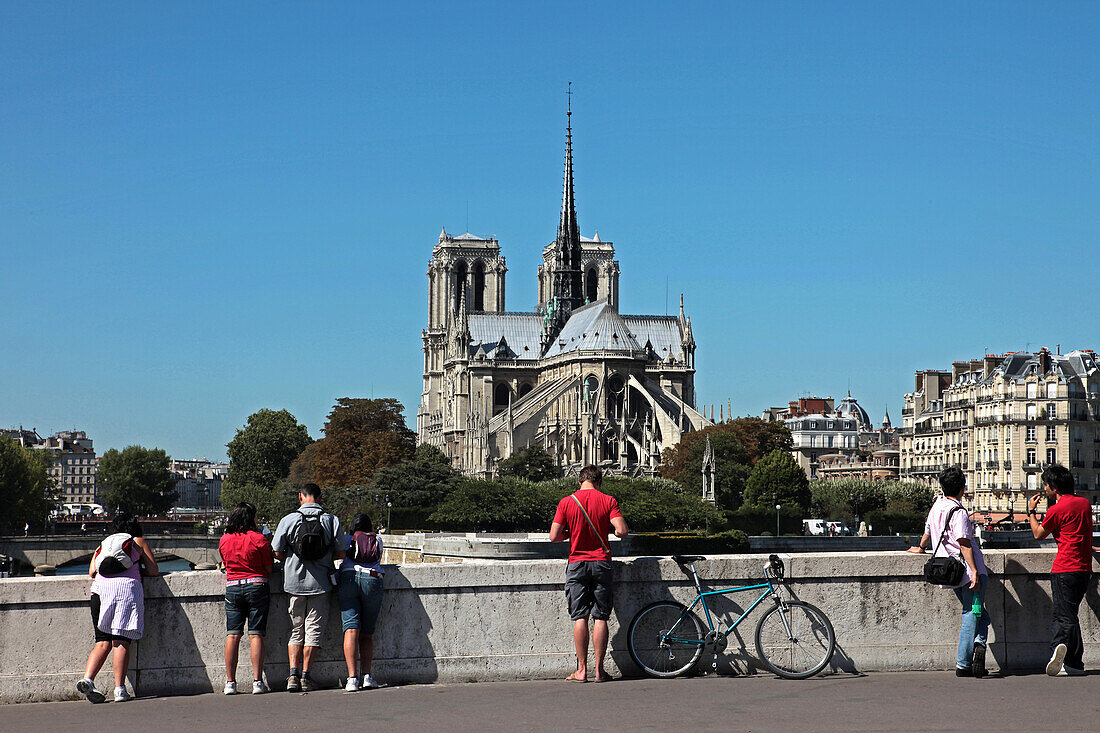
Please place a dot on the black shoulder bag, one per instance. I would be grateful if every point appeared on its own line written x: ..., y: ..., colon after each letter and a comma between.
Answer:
x: 946, y: 570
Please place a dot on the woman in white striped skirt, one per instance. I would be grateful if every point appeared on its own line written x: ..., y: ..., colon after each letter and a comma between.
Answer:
x: 118, y: 610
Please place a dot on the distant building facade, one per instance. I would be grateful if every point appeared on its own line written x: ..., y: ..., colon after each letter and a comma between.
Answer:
x: 841, y: 433
x: 198, y: 483
x: 1002, y: 419
x: 574, y: 377
x: 74, y: 466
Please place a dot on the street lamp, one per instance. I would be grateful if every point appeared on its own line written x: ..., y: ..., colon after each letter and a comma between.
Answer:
x: 777, y: 520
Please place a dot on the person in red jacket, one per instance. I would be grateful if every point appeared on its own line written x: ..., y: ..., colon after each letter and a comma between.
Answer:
x: 1069, y: 519
x: 585, y: 518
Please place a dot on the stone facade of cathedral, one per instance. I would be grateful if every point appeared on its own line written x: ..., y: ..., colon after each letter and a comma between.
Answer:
x: 574, y: 377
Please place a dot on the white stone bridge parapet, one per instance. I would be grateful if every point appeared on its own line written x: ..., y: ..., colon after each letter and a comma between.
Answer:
x: 63, y: 549
x: 506, y: 620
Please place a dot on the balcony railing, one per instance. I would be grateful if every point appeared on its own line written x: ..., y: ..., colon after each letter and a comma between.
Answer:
x: 1008, y: 464
x: 991, y: 464
x: 1032, y: 465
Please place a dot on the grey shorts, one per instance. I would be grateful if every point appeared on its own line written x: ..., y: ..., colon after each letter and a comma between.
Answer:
x: 589, y: 589
x: 308, y: 616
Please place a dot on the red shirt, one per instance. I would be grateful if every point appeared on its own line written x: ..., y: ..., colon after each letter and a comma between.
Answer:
x: 246, y: 555
x: 584, y: 544
x: 1070, y: 521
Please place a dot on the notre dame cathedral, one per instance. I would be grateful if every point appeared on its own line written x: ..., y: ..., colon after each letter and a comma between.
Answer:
x: 575, y: 377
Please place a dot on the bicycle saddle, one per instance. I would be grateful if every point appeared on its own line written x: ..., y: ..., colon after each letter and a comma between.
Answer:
x: 685, y: 559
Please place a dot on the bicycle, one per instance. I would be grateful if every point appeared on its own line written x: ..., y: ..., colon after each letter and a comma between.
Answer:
x: 794, y: 639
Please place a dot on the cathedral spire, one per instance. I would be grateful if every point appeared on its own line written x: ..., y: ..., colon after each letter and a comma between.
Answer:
x: 567, y: 277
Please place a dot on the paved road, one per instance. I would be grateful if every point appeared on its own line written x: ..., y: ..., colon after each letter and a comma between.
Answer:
x: 911, y: 701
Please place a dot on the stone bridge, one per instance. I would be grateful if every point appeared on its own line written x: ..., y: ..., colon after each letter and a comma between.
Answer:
x: 58, y: 551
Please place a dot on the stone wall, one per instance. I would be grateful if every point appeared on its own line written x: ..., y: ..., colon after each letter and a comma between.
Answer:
x: 501, y: 620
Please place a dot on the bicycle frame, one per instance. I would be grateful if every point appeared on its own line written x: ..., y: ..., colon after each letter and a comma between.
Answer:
x: 701, y: 600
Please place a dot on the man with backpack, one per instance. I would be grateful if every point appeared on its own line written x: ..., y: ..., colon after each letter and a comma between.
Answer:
x: 305, y: 541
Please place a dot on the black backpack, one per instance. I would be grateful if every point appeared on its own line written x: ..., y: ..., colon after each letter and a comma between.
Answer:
x: 311, y: 542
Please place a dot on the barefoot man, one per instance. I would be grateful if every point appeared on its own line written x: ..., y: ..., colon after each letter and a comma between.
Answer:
x: 585, y: 518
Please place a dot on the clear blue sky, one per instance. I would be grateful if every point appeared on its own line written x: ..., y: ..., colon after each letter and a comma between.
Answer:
x: 210, y: 208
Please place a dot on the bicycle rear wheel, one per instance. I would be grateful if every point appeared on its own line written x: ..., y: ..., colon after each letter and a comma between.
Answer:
x: 805, y: 650
x: 665, y: 639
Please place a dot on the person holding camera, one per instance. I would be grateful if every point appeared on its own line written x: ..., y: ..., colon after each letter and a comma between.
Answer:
x: 949, y: 525
x: 1069, y: 520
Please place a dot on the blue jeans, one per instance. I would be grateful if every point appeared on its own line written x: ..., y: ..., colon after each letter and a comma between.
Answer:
x: 973, y: 628
x: 360, y: 599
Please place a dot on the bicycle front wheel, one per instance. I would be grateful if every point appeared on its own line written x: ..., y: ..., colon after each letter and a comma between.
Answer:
x: 665, y: 639
x: 799, y: 648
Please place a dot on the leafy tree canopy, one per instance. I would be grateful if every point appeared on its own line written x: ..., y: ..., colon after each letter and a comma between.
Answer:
x: 514, y: 505
x: 26, y: 491
x: 361, y: 436
x: 261, y: 452
x: 777, y: 479
x: 531, y: 463
x: 851, y: 498
x: 137, y: 480
x: 683, y: 463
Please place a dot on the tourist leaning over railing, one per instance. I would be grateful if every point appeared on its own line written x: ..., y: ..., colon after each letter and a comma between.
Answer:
x: 360, y: 596
x: 248, y: 562
x: 118, y: 602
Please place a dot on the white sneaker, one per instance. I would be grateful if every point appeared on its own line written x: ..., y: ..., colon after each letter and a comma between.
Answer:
x: 230, y: 688
x: 121, y: 695
x: 1054, y: 666
x: 352, y: 685
x: 1070, y: 672
x: 258, y: 687
x: 87, y: 688
x: 370, y: 683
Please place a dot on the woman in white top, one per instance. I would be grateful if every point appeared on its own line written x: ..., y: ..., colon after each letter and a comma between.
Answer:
x: 951, y: 521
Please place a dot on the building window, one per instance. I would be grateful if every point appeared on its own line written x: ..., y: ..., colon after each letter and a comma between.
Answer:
x: 1032, y: 390
x: 1052, y: 410
x: 1031, y: 456
x: 1031, y: 412
x: 1052, y: 390
x: 1031, y: 433
x: 1052, y: 433
x: 1052, y: 455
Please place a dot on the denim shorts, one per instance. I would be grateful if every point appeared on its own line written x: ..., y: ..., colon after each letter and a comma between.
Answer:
x: 360, y: 597
x: 589, y: 589
x: 247, y: 601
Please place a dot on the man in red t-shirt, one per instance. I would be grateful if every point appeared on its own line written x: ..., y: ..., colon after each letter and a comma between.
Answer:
x: 1069, y: 519
x: 585, y: 518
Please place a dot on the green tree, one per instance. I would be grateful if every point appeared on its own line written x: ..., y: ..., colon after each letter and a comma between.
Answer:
x: 683, y: 463
x: 261, y: 452
x: 136, y: 480
x: 760, y: 438
x: 271, y: 504
x: 509, y: 505
x: 777, y: 479
x: 531, y: 463
x: 26, y: 492
x: 361, y: 436
x: 850, y: 499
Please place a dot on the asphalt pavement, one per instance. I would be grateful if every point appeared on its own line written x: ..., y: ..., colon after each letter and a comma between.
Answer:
x: 882, y: 701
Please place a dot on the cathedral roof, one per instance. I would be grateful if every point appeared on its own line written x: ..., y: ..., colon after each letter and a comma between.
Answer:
x: 520, y: 331
x: 663, y: 332
x: 594, y: 327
